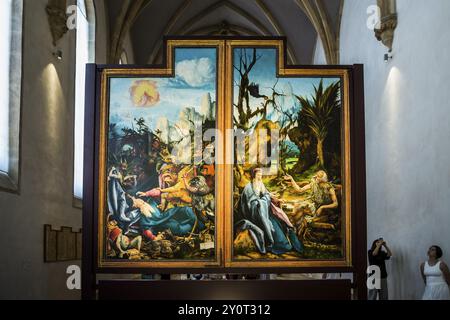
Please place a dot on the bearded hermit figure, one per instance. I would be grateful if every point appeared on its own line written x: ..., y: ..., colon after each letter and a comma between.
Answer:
x: 268, y: 225
x: 321, y: 201
x: 323, y: 195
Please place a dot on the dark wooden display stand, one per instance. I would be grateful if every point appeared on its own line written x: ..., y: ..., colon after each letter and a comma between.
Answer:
x: 225, y: 290
x: 232, y: 289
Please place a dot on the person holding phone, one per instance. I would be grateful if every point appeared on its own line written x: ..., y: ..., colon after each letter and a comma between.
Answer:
x: 378, y: 257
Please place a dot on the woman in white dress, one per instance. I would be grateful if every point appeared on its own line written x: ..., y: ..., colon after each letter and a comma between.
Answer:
x: 436, y: 275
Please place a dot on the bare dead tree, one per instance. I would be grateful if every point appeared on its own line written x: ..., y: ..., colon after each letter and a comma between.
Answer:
x: 244, y: 111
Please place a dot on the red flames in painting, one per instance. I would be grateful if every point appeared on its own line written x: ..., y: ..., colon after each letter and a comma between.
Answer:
x: 144, y: 93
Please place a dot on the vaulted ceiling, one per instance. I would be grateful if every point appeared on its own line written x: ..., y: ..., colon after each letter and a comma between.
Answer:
x: 301, y: 21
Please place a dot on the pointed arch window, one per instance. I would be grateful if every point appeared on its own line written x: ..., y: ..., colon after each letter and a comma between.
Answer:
x: 11, y: 12
x: 85, y: 53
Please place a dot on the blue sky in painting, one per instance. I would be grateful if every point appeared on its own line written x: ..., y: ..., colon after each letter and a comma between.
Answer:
x: 195, y: 53
x: 264, y: 74
x: 195, y: 77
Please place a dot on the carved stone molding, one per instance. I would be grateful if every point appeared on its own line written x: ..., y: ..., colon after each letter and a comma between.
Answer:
x: 57, y: 19
x: 225, y: 29
x: 385, y: 30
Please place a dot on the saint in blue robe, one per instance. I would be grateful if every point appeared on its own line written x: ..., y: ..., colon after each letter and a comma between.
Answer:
x: 179, y: 220
x: 269, y: 232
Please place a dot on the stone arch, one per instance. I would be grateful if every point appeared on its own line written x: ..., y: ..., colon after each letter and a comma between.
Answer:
x: 317, y: 14
x: 262, y: 29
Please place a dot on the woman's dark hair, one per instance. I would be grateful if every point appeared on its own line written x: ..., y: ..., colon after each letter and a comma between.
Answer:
x: 439, y: 252
x: 374, y: 244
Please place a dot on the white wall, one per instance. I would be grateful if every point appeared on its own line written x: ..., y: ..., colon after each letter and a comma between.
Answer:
x: 407, y: 132
x: 46, y: 166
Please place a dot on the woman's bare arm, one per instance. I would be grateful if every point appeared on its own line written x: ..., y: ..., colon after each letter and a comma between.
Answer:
x: 389, y: 252
x: 422, y: 266
x: 445, y: 272
x: 377, y: 249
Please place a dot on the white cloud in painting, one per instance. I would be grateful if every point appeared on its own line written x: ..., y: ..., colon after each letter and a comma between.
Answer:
x: 196, y: 73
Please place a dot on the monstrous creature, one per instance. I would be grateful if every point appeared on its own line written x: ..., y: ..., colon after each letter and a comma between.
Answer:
x: 172, y: 187
x: 202, y: 199
x: 120, y: 244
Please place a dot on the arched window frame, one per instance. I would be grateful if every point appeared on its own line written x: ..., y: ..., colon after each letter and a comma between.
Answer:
x: 86, y: 26
x: 10, y: 108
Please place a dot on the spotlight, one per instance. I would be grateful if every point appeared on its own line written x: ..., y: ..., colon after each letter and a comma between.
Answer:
x: 58, y: 54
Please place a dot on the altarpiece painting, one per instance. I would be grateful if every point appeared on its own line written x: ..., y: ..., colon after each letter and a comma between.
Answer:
x: 224, y: 157
x: 291, y: 162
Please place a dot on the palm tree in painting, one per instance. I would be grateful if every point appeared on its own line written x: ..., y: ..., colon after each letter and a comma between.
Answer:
x: 320, y: 113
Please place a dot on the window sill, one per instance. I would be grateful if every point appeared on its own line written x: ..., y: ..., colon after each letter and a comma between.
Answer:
x: 77, y: 203
x: 7, y: 184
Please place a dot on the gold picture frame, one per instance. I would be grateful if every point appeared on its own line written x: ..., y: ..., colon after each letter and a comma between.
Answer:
x: 224, y: 172
x: 287, y: 71
x: 167, y: 71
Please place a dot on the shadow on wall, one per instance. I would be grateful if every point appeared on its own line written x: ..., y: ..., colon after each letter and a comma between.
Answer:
x: 399, y: 266
x: 395, y: 268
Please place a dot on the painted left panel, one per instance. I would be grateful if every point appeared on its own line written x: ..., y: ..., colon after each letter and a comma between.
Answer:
x: 160, y: 187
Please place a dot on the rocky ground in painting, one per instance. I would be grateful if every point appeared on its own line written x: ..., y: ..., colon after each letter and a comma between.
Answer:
x: 167, y: 246
x: 245, y: 249
x: 173, y: 247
